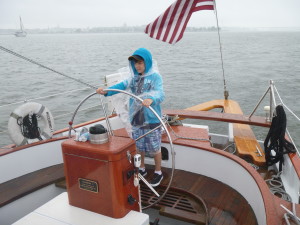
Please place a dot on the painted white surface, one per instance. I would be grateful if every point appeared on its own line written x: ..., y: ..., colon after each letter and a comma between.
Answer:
x: 19, y: 208
x: 290, y: 179
x: 59, y: 212
x: 37, y: 157
x: 30, y: 159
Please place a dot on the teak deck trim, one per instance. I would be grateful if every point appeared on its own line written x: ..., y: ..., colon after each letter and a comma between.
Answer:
x: 245, y: 140
x: 215, y: 116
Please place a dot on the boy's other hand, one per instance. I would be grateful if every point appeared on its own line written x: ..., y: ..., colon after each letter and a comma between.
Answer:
x: 147, y: 102
x: 101, y: 91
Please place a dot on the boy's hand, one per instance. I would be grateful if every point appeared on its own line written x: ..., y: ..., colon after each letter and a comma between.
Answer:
x: 147, y: 102
x: 101, y: 91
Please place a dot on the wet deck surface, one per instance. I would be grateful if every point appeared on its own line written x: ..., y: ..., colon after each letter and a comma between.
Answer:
x: 224, y: 204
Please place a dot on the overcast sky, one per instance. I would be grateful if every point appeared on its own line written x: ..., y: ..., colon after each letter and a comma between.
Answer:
x: 107, y: 13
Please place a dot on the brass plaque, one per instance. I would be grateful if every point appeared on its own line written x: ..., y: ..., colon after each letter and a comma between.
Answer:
x: 88, y: 185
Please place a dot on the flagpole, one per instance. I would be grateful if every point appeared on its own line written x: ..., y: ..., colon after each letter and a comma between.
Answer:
x: 226, y: 93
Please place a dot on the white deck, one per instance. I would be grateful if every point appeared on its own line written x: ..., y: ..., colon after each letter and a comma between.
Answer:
x: 59, y: 212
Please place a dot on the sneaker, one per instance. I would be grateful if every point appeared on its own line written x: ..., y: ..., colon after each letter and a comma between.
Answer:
x: 143, y: 172
x: 156, y: 180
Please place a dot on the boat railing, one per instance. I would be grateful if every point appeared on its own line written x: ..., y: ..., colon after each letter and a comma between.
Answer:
x: 271, y: 110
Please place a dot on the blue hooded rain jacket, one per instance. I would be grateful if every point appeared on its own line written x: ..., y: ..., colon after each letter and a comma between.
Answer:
x: 148, y: 85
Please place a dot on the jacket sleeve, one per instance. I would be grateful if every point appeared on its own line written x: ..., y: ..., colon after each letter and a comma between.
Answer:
x: 157, y: 94
x: 120, y: 86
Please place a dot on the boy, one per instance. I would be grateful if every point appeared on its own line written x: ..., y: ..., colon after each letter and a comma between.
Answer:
x: 146, y: 82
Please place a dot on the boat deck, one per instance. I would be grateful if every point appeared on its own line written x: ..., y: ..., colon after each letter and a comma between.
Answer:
x: 224, y: 204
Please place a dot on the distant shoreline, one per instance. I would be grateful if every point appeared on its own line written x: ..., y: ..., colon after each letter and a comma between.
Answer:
x: 139, y: 29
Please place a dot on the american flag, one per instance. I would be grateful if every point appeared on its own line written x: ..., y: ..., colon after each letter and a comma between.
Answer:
x: 170, y: 26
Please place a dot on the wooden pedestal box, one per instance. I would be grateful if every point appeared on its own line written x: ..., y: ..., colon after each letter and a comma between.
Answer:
x: 96, y: 176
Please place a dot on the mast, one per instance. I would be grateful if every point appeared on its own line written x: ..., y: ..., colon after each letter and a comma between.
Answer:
x: 21, y: 24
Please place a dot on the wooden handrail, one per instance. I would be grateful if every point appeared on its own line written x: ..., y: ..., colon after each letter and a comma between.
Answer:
x: 216, y: 116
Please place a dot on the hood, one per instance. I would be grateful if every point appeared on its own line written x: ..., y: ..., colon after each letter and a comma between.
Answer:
x: 146, y: 55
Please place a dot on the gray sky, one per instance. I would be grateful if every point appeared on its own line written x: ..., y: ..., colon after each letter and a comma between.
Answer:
x: 106, y: 13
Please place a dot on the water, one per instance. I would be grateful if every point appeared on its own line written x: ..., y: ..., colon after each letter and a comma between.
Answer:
x: 191, y: 70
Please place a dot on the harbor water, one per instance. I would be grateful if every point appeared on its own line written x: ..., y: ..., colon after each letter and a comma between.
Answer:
x: 191, y: 70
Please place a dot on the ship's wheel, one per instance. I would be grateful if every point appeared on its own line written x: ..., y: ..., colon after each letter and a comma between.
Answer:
x: 160, y: 197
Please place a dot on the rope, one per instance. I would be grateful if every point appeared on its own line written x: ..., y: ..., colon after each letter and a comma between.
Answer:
x: 29, y: 126
x: 234, y: 149
x: 276, y: 187
x: 45, y: 67
x: 291, y: 215
x: 275, y: 140
x: 226, y: 93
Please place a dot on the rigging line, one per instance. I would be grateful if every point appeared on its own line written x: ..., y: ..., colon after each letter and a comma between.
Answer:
x: 226, y: 93
x: 286, y: 105
x: 45, y: 67
x: 72, y: 78
x: 26, y: 100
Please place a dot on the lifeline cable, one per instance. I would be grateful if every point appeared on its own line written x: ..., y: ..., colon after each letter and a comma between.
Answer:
x: 55, y: 71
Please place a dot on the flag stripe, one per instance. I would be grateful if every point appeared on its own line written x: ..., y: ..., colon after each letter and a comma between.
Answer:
x: 164, y: 23
x: 177, y: 19
x: 157, y: 31
x: 181, y: 24
x: 153, y: 25
x: 170, y: 21
x: 160, y: 28
x: 204, y: 3
x: 204, y: 7
x: 170, y: 26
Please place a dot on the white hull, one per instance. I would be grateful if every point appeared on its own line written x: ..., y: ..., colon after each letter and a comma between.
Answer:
x: 20, y: 34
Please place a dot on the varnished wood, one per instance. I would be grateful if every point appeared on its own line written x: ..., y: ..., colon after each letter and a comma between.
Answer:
x: 225, y: 205
x: 105, y: 166
x: 180, y: 135
x: 274, y: 213
x: 21, y: 186
x: 13, y: 148
x: 244, y: 138
x: 216, y: 116
x: 177, y: 203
